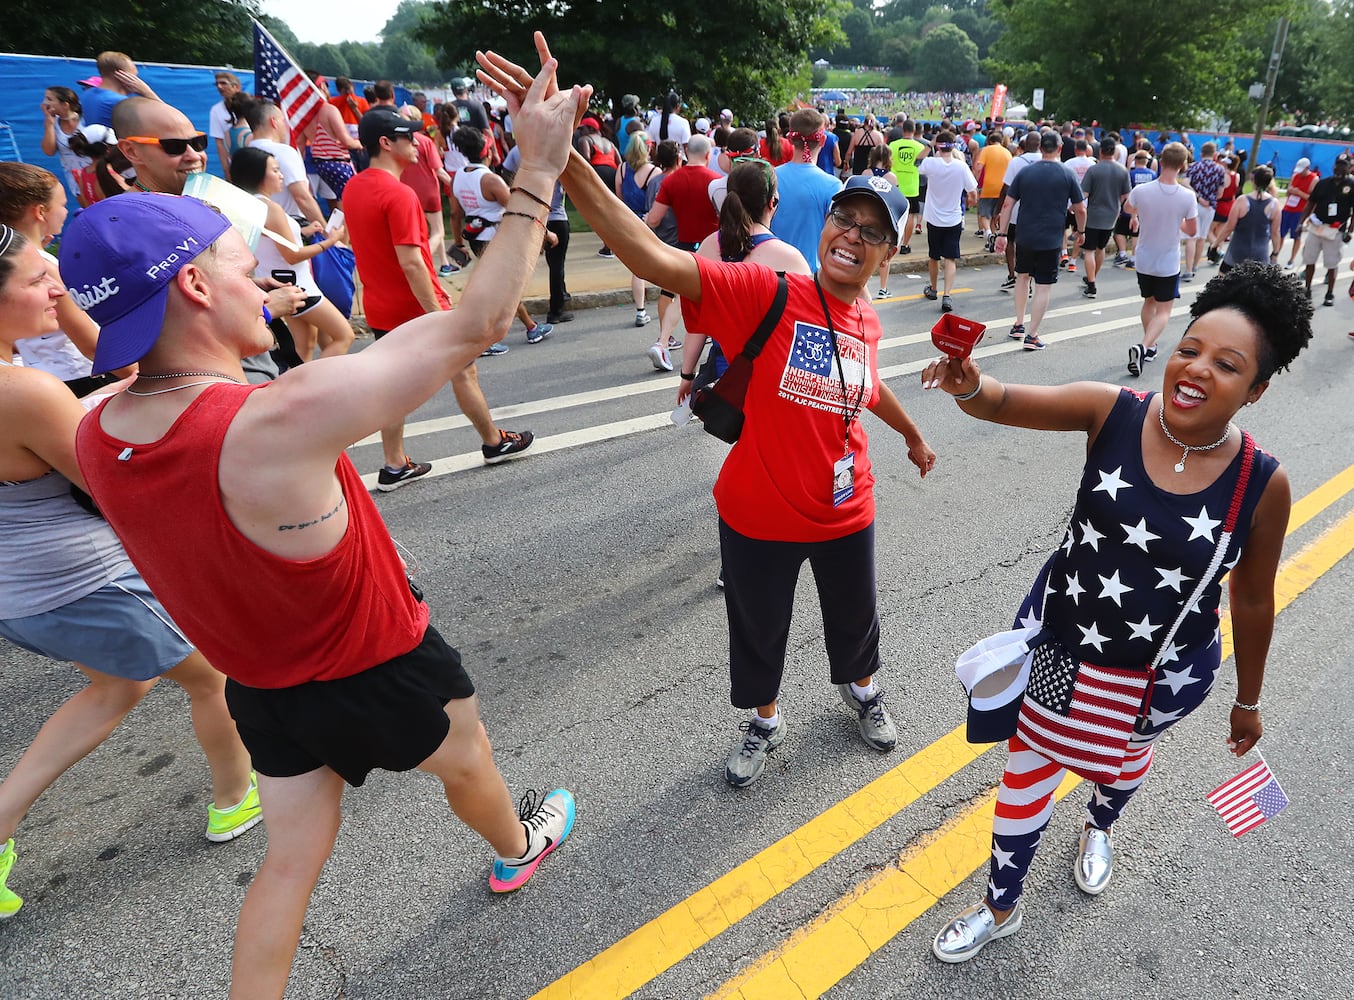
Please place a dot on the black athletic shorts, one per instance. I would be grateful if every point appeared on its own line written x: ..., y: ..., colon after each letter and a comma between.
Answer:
x: 1096, y: 239
x: 1150, y: 286
x: 389, y: 716
x: 914, y: 204
x: 942, y: 242
x: 1121, y: 227
x: 1043, y: 264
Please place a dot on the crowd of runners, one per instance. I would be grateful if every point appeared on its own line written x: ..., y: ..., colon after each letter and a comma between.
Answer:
x: 164, y: 362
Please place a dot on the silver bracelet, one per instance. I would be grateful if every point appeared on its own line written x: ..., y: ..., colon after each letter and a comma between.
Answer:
x: 1245, y: 707
x: 971, y: 395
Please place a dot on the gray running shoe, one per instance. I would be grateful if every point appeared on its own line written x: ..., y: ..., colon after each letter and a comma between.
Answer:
x: 876, y: 726
x: 748, y: 757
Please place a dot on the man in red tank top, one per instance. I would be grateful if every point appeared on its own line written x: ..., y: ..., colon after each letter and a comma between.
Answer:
x: 275, y: 556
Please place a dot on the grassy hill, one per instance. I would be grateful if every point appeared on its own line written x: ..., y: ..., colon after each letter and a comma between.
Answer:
x: 845, y: 79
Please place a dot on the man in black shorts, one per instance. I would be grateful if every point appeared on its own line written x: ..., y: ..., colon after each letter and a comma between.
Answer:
x: 1163, y: 211
x: 1043, y: 191
x: 1026, y: 151
x: 275, y: 557
x: 1106, y: 185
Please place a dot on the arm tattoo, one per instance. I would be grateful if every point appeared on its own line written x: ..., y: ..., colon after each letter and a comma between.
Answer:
x: 318, y: 520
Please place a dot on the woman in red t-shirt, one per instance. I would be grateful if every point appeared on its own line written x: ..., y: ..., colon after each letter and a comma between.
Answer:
x: 1226, y: 198
x: 773, y: 147
x: 798, y: 484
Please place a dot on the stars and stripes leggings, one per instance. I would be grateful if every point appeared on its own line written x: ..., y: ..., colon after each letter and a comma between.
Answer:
x: 1025, y: 795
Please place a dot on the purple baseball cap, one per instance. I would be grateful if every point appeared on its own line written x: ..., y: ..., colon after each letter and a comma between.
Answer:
x: 118, y: 258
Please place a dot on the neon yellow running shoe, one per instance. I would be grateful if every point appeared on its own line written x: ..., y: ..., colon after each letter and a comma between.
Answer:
x: 9, y: 901
x: 227, y: 824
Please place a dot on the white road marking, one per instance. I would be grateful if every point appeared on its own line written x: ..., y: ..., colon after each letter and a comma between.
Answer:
x: 622, y: 428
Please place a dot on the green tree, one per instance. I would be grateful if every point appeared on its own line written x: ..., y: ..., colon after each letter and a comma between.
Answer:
x: 981, y: 28
x: 947, y: 59
x: 408, y: 18
x: 862, y: 46
x: 747, y: 55
x: 1143, y: 64
x: 903, y: 10
x: 1335, y: 83
x: 898, y: 51
x: 364, y: 60
x: 208, y: 32
x: 329, y: 61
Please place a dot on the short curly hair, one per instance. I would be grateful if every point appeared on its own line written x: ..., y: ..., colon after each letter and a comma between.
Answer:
x: 1271, y: 298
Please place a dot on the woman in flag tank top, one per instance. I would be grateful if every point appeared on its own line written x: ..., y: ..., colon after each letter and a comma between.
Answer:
x: 1173, y: 497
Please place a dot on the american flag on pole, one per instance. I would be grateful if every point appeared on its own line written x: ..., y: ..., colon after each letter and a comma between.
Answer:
x: 277, y: 78
x: 1249, y: 799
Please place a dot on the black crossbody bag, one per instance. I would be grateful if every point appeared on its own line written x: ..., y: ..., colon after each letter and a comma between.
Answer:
x: 720, y: 404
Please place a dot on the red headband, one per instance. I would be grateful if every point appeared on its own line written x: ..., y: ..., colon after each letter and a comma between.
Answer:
x: 812, y: 139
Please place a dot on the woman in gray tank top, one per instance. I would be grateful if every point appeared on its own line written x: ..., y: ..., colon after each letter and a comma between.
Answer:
x: 1253, y: 225
x: 69, y: 592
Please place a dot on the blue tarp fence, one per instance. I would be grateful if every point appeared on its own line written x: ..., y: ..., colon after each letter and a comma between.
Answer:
x: 191, y: 89
x: 23, y: 79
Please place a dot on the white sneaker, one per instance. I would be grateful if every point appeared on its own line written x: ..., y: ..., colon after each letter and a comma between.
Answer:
x: 642, y: 318
x: 659, y: 356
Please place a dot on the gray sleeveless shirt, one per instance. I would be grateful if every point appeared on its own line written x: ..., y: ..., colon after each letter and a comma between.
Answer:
x: 51, y: 551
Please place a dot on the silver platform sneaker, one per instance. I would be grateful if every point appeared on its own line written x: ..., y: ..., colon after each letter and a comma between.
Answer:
x: 748, y: 757
x: 1095, y: 862
x: 876, y: 726
x: 967, y: 934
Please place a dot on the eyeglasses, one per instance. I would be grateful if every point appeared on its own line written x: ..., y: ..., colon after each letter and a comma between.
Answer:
x: 174, y: 147
x: 871, y: 235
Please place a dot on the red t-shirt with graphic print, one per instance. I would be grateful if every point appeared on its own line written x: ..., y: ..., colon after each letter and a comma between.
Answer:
x: 776, y: 484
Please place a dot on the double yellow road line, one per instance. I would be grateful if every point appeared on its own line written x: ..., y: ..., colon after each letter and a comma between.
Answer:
x: 817, y: 956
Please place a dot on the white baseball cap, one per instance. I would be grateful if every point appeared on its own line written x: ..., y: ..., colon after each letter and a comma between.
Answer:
x: 1302, y: 164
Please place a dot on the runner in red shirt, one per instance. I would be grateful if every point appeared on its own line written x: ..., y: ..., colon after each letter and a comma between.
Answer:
x: 262, y: 471
x: 389, y: 235
x: 1290, y: 222
x: 686, y: 191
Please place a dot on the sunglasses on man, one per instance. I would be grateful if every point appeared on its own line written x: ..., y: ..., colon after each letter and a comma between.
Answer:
x: 174, y: 147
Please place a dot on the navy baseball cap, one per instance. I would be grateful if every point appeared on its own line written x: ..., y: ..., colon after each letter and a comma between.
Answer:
x: 893, y: 200
x: 118, y: 259
x: 383, y: 122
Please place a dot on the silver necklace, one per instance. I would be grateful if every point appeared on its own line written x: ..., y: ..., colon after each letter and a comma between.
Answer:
x: 176, y: 388
x: 1180, y: 465
x: 190, y: 375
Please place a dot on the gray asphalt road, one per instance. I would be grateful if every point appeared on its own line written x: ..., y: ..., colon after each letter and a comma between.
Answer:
x: 578, y: 584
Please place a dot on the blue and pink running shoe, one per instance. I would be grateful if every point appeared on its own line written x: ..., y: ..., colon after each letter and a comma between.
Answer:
x: 547, y: 823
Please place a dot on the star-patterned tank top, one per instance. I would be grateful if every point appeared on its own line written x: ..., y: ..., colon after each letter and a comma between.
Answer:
x: 1133, y: 553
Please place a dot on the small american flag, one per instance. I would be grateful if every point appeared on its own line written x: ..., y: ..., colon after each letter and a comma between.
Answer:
x: 1246, y: 801
x: 278, y: 79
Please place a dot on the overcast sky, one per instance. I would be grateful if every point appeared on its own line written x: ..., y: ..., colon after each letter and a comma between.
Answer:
x: 322, y: 21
